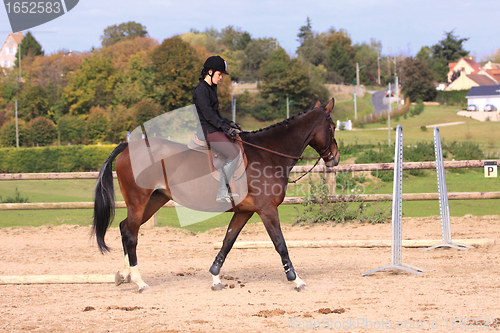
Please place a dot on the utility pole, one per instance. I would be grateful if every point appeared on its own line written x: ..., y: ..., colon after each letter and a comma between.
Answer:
x: 397, y: 91
x: 389, y: 113
x: 17, y: 129
x: 388, y: 64
x: 355, y: 108
x: 378, y: 62
x: 357, y: 78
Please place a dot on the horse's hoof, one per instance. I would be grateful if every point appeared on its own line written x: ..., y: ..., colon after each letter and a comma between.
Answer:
x: 217, y: 287
x: 301, y: 287
x: 145, y: 290
x: 119, y: 279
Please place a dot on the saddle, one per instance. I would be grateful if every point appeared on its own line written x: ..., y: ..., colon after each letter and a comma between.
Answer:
x: 216, y: 158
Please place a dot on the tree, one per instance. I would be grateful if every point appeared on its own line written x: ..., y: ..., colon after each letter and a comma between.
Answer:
x: 283, y: 77
x: 91, y: 85
x: 136, y: 81
x: 29, y: 48
x: 33, y: 102
x: 417, y: 80
x: 176, y: 67
x: 129, y: 30
x: 367, y: 55
x: 71, y: 128
x: 340, y: 62
x: 97, y: 125
x: 41, y: 131
x: 257, y: 51
x: 234, y: 39
x: 438, y: 56
x: 8, y: 133
x: 146, y: 110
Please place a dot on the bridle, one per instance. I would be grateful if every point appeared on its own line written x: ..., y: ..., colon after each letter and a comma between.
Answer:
x: 322, y: 155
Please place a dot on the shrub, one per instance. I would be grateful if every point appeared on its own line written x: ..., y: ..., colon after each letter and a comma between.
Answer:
x: 97, y: 125
x: 8, y: 133
x: 41, y: 131
x: 71, y: 128
x: 17, y: 198
x: 318, y: 208
x: 53, y: 159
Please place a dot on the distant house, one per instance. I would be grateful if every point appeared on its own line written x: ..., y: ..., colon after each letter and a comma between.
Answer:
x: 9, y: 49
x: 464, y: 81
x: 491, y: 65
x: 466, y: 64
x: 471, y: 74
x: 483, y: 95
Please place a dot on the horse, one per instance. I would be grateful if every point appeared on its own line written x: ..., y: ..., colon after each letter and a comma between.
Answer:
x: 271, y: 153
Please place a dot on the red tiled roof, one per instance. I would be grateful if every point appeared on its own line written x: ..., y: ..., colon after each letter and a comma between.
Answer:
x: 481, y: 80
x: 451, y: 65
x: 494, y: 73
x: 473, y: 64
x: 17, y: 37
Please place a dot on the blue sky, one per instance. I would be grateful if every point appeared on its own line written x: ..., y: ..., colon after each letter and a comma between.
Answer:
x: 405, y: 25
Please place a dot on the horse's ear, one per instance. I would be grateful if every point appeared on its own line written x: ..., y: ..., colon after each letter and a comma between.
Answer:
x: 317, y: 105
x: 329, y: 106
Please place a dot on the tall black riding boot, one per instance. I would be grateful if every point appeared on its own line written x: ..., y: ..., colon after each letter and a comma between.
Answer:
x: 226, y: 173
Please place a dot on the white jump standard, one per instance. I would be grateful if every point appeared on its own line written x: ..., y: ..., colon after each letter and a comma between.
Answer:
x: 397, y: 213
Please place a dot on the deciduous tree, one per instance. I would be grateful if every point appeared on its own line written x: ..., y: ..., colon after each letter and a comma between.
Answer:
x: 417, y: 80
x: 177, y: 67
x: 129, y: 30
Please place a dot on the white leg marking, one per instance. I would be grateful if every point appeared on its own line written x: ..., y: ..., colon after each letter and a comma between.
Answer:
x: 217, y: 283
x: 135, y: 276
x: 300, y: 284
x: 216, y: 280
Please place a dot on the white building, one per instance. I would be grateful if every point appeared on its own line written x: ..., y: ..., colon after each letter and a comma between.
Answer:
x: 9, y: 49
x: 483, y: 95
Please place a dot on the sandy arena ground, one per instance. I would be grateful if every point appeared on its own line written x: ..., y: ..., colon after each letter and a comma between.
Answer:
x: 460, y: 289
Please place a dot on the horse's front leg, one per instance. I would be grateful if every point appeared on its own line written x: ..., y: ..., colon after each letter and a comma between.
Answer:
x: 270, y: 218
x: 233, y: 230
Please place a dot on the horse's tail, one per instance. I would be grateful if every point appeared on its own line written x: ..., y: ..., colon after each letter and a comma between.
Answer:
x: 104, y: 199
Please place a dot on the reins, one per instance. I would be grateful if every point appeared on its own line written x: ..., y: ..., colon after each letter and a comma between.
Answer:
x: 321, y: 155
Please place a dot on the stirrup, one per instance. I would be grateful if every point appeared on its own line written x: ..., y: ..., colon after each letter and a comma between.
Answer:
x: 226, y: 197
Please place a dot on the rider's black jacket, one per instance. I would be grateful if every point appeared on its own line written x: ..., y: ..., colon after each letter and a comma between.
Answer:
x: 207, y: 105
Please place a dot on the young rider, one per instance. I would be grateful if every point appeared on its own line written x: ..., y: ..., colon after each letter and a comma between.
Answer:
x: 214, y: 127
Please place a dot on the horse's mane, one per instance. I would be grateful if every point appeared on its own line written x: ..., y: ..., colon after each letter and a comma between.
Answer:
x: 286, y: 121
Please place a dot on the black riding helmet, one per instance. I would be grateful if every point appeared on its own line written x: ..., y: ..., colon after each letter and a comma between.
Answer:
x: 216, y: 63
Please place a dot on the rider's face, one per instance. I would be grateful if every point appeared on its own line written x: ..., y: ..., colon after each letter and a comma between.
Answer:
x: 216, y: 78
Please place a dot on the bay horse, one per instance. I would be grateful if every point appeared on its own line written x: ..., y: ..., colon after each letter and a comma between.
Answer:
x: 274, y: 150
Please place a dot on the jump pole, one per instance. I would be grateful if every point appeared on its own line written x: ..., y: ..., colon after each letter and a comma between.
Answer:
x: 57, y: 279
x: 444, y: 207
x: 397, y: 213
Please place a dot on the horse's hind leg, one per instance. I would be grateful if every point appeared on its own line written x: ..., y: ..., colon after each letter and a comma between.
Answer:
x: 138, y: 215
x: 270, y: 217
x: 123, y: 276
x: 233, y: 230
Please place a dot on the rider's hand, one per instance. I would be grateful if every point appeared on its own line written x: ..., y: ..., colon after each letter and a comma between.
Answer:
x: 233, y: 131
x: 234, y: 124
